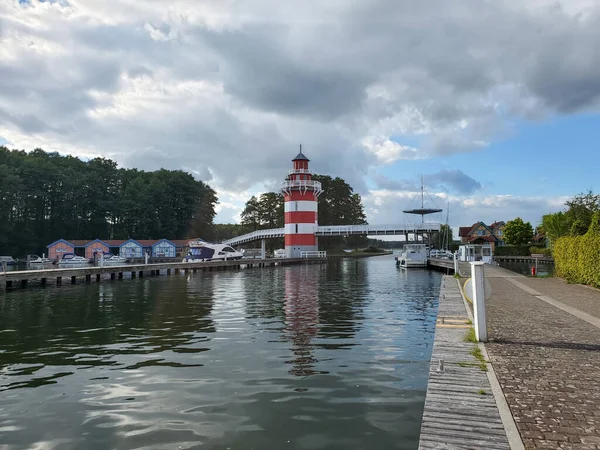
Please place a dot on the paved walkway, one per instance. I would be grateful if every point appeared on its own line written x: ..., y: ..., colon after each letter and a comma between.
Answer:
x: 545, y: 349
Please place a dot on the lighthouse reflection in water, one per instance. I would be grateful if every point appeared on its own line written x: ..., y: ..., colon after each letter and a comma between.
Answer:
x: 301, y: 307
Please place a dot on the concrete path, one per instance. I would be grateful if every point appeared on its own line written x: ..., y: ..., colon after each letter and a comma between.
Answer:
x: 545, y: 349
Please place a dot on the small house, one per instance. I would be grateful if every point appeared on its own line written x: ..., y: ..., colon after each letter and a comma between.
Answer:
x: 59, y: 248
x: 95, y: 247
x: 475, y: 252
x: 164, y: 248
x: 131, y: 249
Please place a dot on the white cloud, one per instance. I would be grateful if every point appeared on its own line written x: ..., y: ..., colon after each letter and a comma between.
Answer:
x: 227, y: 88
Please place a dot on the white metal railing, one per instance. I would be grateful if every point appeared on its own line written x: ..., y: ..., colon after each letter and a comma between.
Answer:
x: 313, y: 254
x: 338, y: 230
x: 255, y: 235
x: 294, y: 171
x: 303, y: 185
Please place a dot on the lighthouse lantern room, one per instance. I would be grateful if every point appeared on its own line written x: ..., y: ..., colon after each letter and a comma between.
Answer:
x: 300, y: 194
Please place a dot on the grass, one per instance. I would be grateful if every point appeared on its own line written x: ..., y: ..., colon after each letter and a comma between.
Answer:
x: 476, y: 352
x: 457, y: 276
x: 482, y: 392
x: 470, y: 336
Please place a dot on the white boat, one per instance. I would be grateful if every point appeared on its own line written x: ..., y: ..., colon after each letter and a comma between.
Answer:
x: 72, y: 258
x: 8, y: 260
x: 412, y: 255
x: 109, y: 258
x: 35, y: 260
x: 279, y: 253
x: 205, y: 251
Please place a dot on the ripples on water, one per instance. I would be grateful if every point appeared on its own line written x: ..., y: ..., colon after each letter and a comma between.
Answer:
x: 328, y: 356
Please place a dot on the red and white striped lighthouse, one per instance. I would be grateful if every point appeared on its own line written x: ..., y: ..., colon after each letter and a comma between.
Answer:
x: 300, y: 194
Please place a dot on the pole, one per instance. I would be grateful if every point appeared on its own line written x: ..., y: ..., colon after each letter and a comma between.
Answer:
x: 263, y: 249
x: 456, y: 271
x: 145, y: 258
x: 479, y: 316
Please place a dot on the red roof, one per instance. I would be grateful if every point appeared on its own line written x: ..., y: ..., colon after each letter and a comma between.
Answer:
x: 181, y: 242
x: 115, y: 242
x: 483, y: 238
x: 496, y: 225
x: 464, y: 231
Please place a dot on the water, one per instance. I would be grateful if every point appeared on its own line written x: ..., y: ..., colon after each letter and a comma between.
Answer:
x: 524, y: 268
x: 330, y: 356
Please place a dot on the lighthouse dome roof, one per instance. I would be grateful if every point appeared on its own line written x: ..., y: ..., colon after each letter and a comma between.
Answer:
x: 300, y: 157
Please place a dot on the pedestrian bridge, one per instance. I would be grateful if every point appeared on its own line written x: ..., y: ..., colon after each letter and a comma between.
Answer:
x: 341, y: 230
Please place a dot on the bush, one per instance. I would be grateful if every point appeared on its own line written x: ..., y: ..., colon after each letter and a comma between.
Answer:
x: 577, y: 258
x: 543, y: 250
x: 512, y: 250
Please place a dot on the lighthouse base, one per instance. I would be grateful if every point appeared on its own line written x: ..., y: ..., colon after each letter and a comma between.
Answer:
x: 295, y: 251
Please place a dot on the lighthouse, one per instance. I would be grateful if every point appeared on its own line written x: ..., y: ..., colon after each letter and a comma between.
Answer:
x: 300, y: 195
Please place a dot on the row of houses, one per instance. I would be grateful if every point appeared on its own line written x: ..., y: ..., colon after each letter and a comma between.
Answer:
x: 129, y: 248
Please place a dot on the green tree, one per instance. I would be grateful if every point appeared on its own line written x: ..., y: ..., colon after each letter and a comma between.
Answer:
x: 251, y: 214
x: 580, y: 210
x: 46, y: 196
x: 517, y: 232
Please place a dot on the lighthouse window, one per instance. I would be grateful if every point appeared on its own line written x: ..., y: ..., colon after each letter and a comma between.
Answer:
x: 296, y: 228
x: 296, y: 205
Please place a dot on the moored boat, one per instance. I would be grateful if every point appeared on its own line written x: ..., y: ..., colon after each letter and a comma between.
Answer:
x: 72, y: 258
x: 109, y: 258
x: 205, y: 251
x: 8, y: 260
x: 36, y: 260
x: 412, y: 255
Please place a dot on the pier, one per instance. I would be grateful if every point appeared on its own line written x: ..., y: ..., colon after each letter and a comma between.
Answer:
x: 460, y: 405
x: 74, y: 275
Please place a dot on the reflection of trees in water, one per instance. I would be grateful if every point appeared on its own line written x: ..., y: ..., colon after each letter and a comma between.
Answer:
x: 263, y: 290
x: 55, y: 326
x: 301, y: 308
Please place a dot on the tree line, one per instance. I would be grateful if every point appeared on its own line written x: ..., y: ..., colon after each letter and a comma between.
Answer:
x: 47, y: 196
x: 574, y: 220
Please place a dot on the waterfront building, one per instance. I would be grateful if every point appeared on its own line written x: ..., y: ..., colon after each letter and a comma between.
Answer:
x: 163, y: 248
x: 300, y: 193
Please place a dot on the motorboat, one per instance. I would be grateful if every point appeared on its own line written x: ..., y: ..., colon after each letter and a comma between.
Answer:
x: 35, y: 260
x: 205, y: 251
x: 412, y: 255
x: 8, y: 260
x: 279, y: 253
x: 109, y: 258
x: 72, y: 258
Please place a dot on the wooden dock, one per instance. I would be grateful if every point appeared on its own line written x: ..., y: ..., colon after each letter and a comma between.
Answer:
x: 23, y: 278
x: 460, y: 408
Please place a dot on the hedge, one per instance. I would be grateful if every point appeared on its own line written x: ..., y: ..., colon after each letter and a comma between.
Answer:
x: 512, y: 250
x: 577, y: 258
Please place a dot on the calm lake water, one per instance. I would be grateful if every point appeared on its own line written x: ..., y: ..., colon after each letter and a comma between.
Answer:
x: 331, y: 356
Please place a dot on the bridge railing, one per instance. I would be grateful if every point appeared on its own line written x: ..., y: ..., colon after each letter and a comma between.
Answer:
x: 313, y: 254
x: 374, y: 229
x: 258, y: 234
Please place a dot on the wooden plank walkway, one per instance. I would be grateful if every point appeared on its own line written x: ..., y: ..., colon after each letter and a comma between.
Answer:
x: 460, y: 410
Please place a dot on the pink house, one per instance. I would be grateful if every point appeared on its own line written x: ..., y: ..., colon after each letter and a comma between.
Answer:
x: 95, y: 246
x: 59, y: 248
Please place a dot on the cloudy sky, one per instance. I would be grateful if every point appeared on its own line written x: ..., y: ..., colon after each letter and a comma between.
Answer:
x: 494, y: 103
